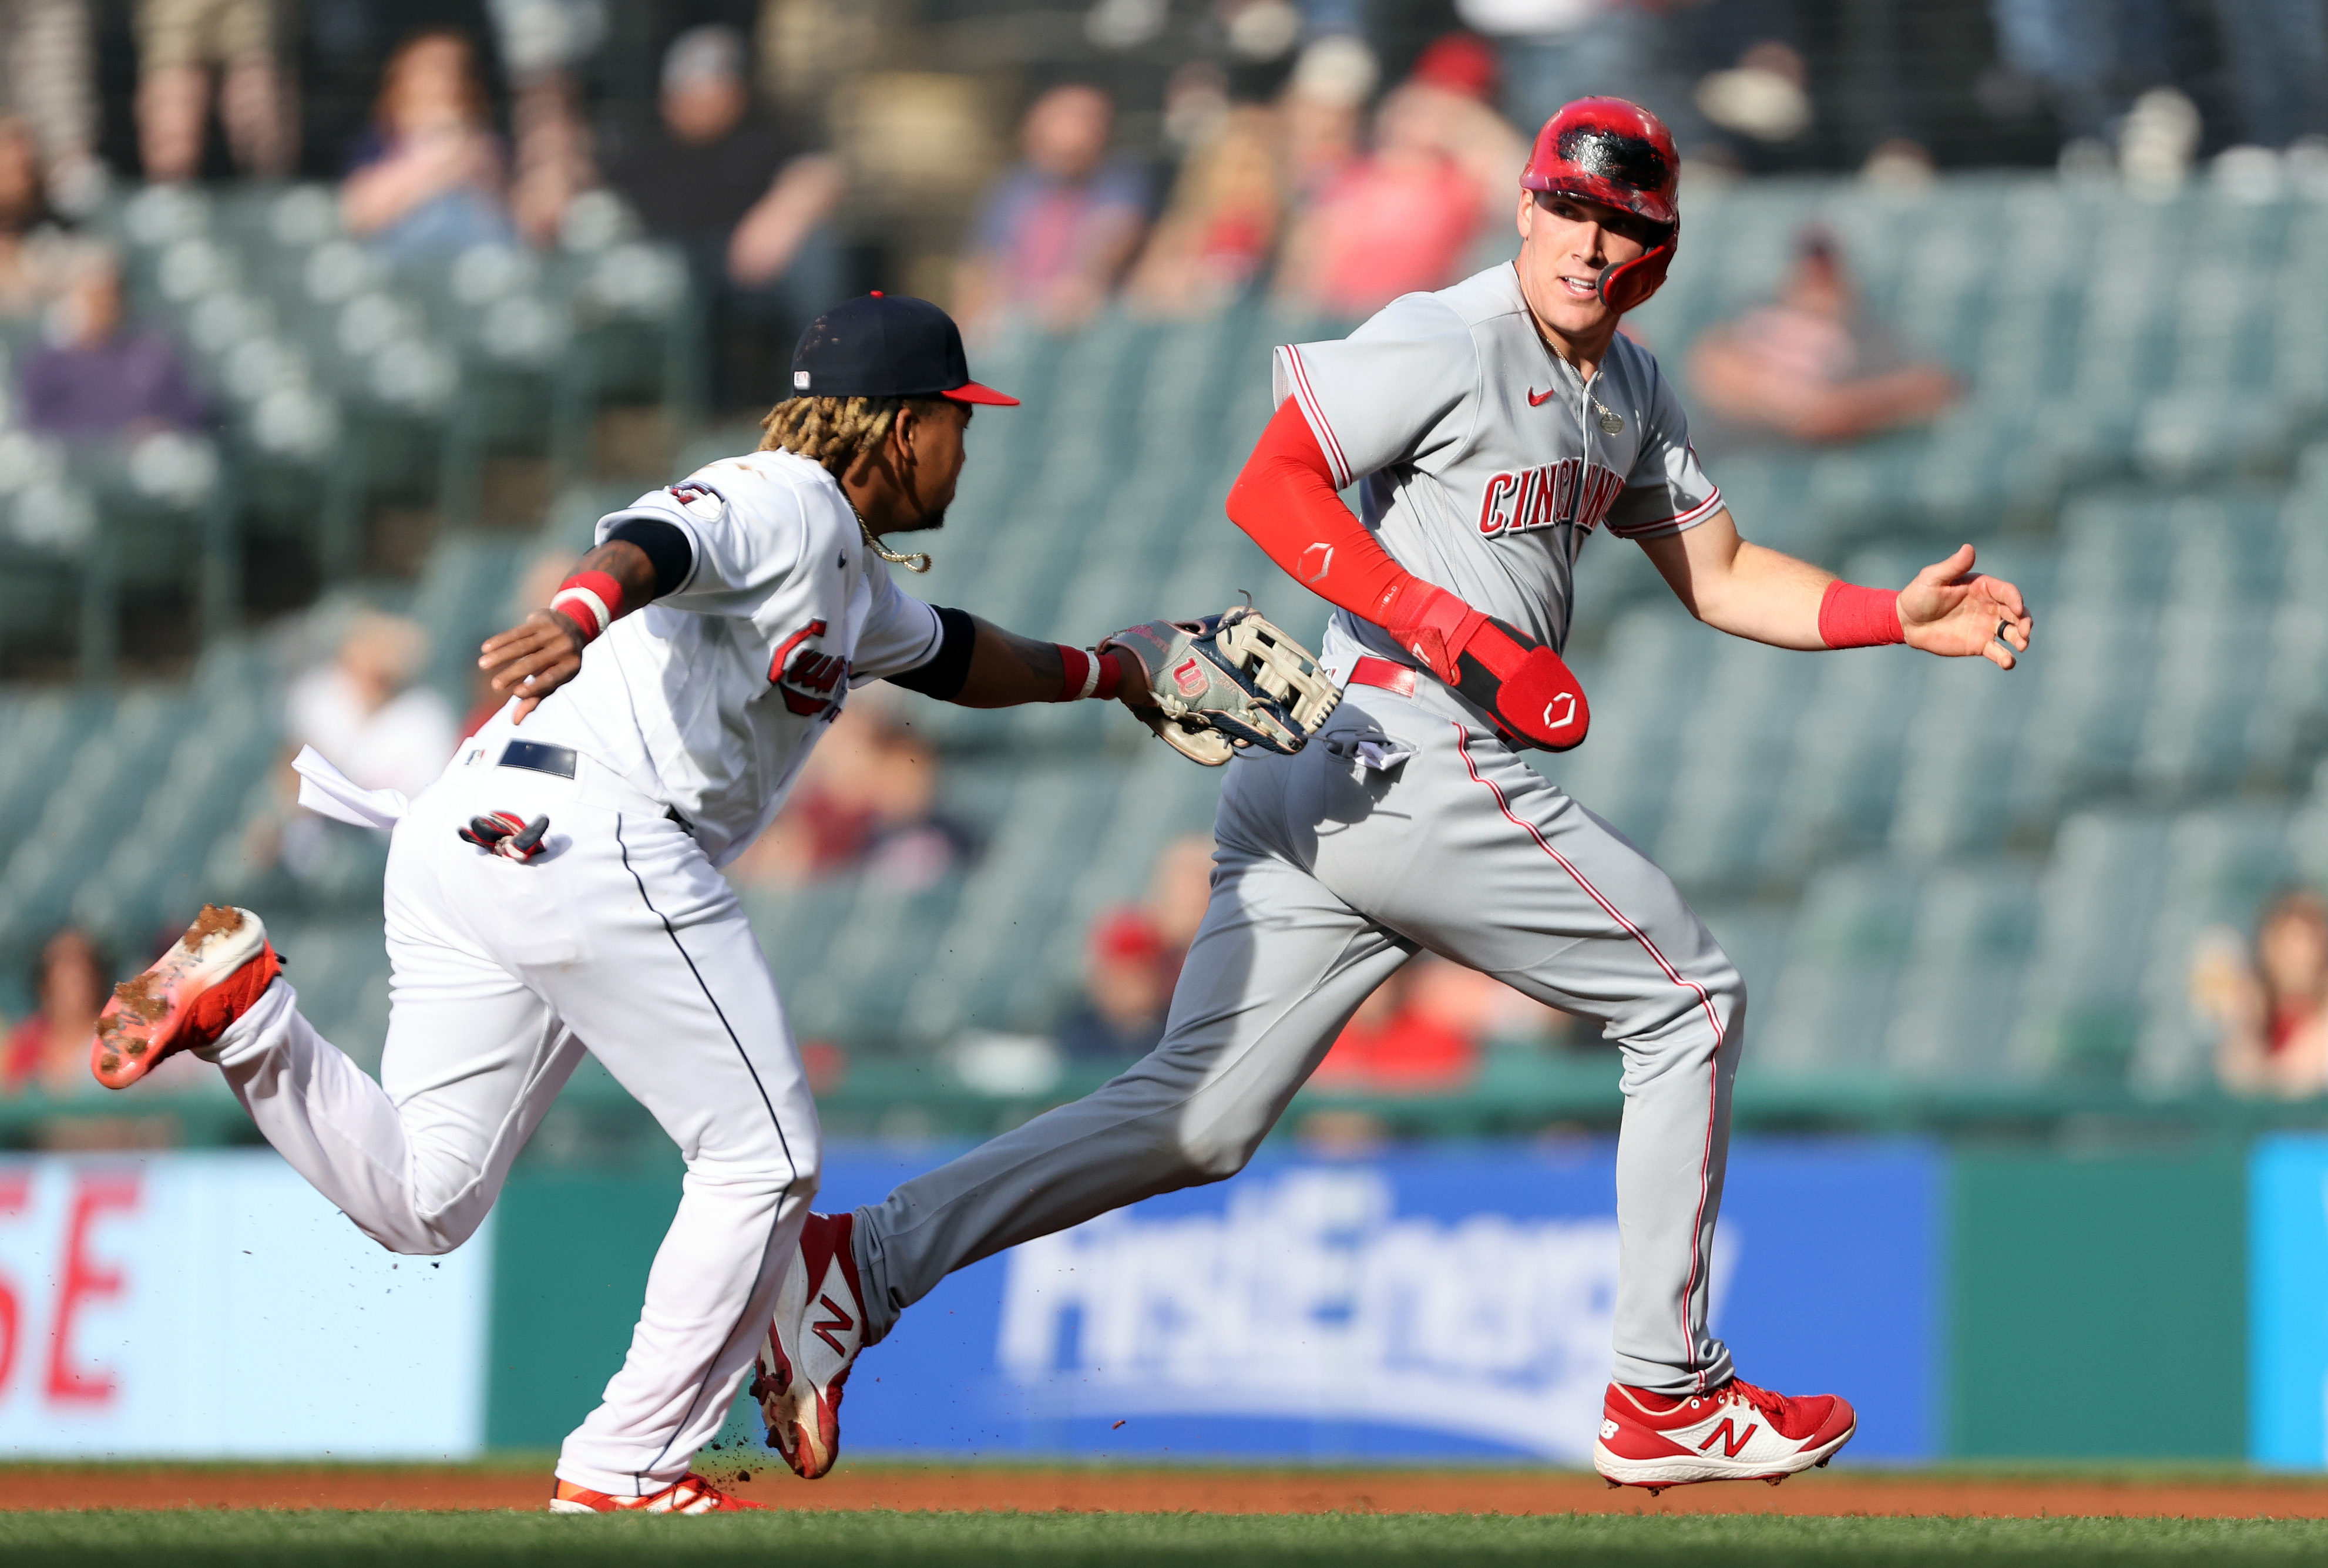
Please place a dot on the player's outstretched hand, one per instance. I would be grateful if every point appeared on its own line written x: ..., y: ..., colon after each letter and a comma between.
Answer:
x: 533, y: 659
x: 1954, y: 611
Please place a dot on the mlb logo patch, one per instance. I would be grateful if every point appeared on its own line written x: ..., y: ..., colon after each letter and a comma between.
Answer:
x: 1189, y: 676
x: 799, y: 380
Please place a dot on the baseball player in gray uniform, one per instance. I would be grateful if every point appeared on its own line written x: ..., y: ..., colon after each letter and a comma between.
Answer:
x: 1493, y: 427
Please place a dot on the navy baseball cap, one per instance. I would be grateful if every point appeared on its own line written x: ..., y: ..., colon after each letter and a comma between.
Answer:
x: 880, y: 345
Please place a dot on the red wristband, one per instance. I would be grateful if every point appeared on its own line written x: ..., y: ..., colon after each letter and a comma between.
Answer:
x: 1084, y: 674
x: 1078, y: 674
x: 1851, y: 616
x: 592, y: 599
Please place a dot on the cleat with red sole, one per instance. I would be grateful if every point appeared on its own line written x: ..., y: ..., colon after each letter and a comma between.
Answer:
x: 814, y: 1340
x: 1734, y: 1433
x: 690, y: 1494
x: 209, y: 977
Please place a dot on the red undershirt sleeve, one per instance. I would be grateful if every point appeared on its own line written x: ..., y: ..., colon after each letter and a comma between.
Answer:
x: 1284, y: 500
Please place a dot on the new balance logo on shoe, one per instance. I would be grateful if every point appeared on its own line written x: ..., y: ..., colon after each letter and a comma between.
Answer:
x: 839, y: 1320
x: 1736, y: 1432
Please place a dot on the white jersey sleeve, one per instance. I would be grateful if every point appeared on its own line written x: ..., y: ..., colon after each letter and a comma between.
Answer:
x: 1400, y: 389
x: 1666, y: 491
x: 734, y: 561
x: 901, y: 633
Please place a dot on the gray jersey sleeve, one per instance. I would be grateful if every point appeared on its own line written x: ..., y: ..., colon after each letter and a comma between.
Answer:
x: 1399, y: 389
x: 1666, y: 491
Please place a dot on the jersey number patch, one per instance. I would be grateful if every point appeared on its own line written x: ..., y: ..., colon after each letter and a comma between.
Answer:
x: 1569, y: 491
x: 806, y: 678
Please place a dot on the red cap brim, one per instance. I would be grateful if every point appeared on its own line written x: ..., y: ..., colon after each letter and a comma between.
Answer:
x: 971, y: 392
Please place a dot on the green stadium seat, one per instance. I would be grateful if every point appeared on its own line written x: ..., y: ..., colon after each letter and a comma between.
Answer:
x: 2082, y: 1011
x: 1956, y: 1000
x: 1826, y: 1011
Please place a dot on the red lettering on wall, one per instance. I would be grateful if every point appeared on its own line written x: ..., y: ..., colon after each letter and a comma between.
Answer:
x: 15, y: 1196
x: 85, y: 1282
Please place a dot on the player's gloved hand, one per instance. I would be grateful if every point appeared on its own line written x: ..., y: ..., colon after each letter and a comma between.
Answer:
x: 1528, y: 688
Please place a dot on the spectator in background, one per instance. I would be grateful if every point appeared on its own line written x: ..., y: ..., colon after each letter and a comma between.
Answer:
x: 1402, y: 219
x: 543, y: 44
x: 1219, y: 234
x: 1411, y: 1037
x: 48, y: 79
x: 2270, y: 1009
x: 1134, y: 954
x: 183, y: 44
x: 1556, y: 51
x: 1127, y: 978
x: 1055, y: 233
x: 30, y: 243
x: 1323, y: 109
x: 426, y: 178
x: 101, y: 375
x: 48, y: 1050
x: 1810, y: 367
x: 363, y: 712
x: 748, y: 198
x: 865, y: 803
x: 1450, y: 95
x: 1180, y: 887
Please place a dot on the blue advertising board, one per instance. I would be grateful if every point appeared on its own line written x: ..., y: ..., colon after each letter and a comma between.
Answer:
x: 2287, y: 1301
x: 1452, y: 1302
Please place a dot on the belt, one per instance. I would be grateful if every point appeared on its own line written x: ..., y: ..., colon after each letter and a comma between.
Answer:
x: 560, y: 762
x: 1386, y: 673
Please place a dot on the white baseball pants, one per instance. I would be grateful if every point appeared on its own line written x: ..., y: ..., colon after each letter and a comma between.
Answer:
x: 1330, y: 875
x: 620, y: 939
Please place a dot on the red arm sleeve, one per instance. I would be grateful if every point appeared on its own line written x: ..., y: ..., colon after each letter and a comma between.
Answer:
x: 1284, y: 500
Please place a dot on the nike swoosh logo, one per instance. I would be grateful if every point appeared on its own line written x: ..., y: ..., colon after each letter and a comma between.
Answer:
x: 1537, y: 400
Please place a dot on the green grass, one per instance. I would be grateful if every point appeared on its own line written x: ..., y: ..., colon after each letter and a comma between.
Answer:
x: 1135, y: 1540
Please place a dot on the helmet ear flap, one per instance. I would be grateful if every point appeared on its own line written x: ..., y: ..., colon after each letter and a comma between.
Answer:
x: 1624, y: 287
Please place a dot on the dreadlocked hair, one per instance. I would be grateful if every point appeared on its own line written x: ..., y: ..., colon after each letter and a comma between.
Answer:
x: 832, y: 431
x: 835, y: 432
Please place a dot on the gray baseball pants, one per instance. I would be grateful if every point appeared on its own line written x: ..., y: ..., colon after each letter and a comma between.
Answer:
x: 1329, y: 874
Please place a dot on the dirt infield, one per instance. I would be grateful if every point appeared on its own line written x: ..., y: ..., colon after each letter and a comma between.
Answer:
x: 942, y: 1487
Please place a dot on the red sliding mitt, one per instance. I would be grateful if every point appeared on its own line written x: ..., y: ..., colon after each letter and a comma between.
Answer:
x: 1529, y: 689
x: 1285, y: 498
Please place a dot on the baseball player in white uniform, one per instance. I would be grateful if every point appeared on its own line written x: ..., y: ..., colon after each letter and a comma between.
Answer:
x: 1493, y: 427
x: 557, y: 889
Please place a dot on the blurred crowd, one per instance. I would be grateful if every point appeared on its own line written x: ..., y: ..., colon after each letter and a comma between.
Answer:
x: 1021, y: 161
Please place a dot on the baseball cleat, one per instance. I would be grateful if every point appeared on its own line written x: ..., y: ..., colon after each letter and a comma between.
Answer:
x: 1735, y: 1433
x: 819, y: 1329
x: 690, y: 1494
x: 209, y: 977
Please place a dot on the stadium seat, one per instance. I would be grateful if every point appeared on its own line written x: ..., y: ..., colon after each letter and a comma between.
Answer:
x: 2081, y: 1009
x: 1826, y: 1011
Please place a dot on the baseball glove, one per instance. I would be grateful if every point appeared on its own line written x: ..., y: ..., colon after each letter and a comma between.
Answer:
x: 1226, y: 682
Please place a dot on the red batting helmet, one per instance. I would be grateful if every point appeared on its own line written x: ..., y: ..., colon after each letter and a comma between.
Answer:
x: 1620, y: 155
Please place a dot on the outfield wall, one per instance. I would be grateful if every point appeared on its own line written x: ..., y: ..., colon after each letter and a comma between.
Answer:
x: 1452, y: 1303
